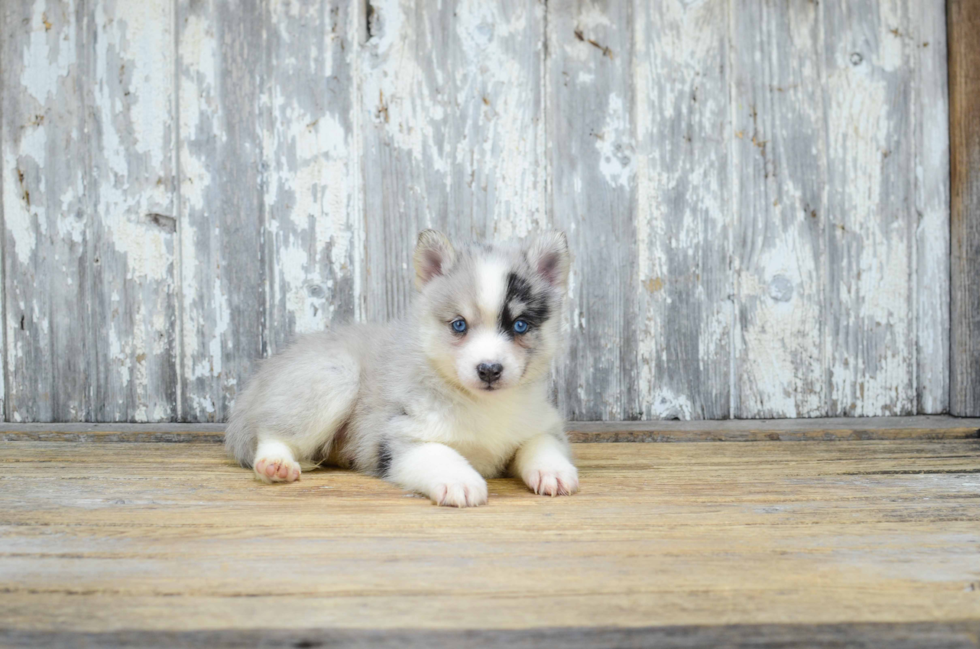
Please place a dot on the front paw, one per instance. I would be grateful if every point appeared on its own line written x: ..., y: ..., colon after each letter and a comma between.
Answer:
x: 466, y: 492
x: 552, y: 480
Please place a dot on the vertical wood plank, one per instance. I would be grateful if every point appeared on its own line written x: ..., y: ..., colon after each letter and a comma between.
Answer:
x: 498, y: 164
x: 452, y: 131
x: 780, y: 209
x: 3, y: 235
x: 406, y: 159
x: 684, y: 211
x: 964, y: 124
x: 132, y: 162
x: 44, y: 174
x: 88, y: 138
x: 221, y: 69
x: 313, y: 225
x: 593, y: 191
x: 871, y: 226
x: 927, y: 41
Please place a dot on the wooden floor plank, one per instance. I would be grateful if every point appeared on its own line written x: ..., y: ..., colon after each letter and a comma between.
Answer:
x: 942, y: 635
x: 738, y: 430
x: 137, y: 538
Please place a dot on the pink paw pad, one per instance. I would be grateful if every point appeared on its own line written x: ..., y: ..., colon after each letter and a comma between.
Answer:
x: 277, y: 470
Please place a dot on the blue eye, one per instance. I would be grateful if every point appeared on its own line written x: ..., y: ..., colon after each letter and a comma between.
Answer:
x: 520, y: 326
x: 459, y: 325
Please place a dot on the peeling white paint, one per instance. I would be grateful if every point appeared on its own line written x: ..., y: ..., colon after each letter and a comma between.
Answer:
x: 617, y: 160
x: 38, y: 54
x: 872, y: 364
x: 222, y: 312
x: 667, y: 405
x: 88, y: 149
x: 198, y: 55
x: 310, y: 183
x: 683, y: 208
x: 498, y: 145
x: 467, y: 144
x: 19, y: 218
x: 400, y: 102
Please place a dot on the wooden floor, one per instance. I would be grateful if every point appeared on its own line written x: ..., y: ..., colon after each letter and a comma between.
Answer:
x: 712, y: 544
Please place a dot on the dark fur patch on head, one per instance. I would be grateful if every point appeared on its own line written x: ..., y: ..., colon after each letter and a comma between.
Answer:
x: 535, y: 307
x: 384, y: 458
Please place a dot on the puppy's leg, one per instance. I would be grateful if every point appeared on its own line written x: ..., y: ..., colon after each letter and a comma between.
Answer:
x: 288, y: 416
x: 275, y: 462
x: 544, y: 464
x: 438, y: 472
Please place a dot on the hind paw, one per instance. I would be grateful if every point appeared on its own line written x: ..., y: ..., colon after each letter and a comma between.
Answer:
x: 275, y: 469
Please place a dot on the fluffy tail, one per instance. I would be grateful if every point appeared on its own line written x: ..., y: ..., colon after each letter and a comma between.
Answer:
x: 240, y: 441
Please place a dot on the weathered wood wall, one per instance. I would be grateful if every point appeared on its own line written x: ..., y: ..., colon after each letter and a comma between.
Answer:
x: 756, y: 192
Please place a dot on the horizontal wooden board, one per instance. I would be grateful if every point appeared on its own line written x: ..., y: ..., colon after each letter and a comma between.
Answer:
x: 176, y: 538
x: 204, y: 433
x: 924, y: 635
x: 773, y: 430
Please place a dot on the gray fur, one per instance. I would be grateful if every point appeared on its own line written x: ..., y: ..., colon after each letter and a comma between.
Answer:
x: 342, y: 397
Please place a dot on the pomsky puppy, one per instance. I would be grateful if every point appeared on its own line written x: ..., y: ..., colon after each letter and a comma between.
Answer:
x: 436, y: 402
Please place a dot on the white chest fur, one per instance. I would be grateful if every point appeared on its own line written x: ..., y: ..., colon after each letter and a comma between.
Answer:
x: 488, y: 430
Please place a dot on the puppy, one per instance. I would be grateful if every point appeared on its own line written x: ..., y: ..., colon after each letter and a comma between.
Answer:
x: 436, y: 402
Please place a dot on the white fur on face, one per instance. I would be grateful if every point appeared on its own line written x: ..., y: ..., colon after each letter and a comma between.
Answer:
x: 487, y: 345
x: 479, y: 296
x: 491, y: 278
x: 484, y: 343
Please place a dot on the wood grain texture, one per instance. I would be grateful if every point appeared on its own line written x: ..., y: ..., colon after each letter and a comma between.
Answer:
x: 871, y: 229
x: 88, y: 197
x: 592, y: 158
x: 932, y: 204
x: 930, y: 427
x: 221, y: 69
x: 964, y: 133
x: 453, y: 133
x: 683, y: 224
x: 313, y: 230
x: 827, y: 429
x: 780, y: 178
x: 907, y: 635
x: 756, y: 196
x: 174, y: 537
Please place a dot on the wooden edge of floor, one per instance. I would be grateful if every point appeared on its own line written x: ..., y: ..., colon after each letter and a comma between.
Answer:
x: 926, y: 427
x: 904, y: 635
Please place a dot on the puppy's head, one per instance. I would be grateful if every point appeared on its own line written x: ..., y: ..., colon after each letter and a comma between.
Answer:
x: 490, y: 315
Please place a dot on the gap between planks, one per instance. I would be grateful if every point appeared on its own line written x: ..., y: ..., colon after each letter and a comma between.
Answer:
x: 929, y: 427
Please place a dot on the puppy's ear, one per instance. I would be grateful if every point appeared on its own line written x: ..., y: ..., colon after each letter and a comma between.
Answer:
x: 434, y: 255
x: 548, y: 255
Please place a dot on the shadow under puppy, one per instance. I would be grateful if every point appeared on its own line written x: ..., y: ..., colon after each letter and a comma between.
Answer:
x: 435, y: 402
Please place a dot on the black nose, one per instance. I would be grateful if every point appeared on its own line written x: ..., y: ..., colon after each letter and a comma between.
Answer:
x: 489, y: 373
